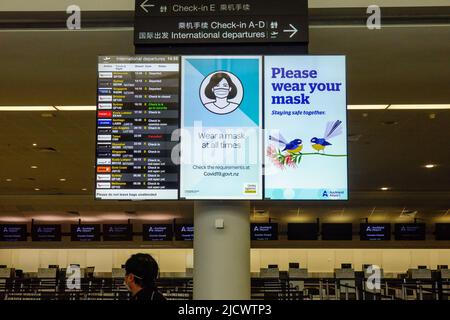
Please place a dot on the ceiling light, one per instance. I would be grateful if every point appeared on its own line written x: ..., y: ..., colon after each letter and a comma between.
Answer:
x: 62, y: 179
x: 8, y: 180
x: 27, y: 108
x: 84, y: 189
x: 76, y: 108
x: 419, y: 106
x: 389, y: 123
x: 34, y: 144
x: 36, y: 189
x: 430, y: 166
x: 47, y: 115
x: 368, y: 107
x: 33, y: 167
x: 384, y: 188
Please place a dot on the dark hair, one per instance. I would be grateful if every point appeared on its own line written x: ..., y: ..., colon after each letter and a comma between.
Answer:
x: 145, y: 269
x: 214, y: 81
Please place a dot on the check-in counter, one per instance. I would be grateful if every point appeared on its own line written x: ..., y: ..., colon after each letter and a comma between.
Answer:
x: 297, y: 273
x: 47, y: 273
x: 48, y: 279
x: 346, y: 280
x: 445, y: 274
x: 296, y: 278
x: 424, y: 275
x: 269, y: 273
x: 175, y: 275
x: 118, y: 273
x: 419, y: 274
x: 6, y: 273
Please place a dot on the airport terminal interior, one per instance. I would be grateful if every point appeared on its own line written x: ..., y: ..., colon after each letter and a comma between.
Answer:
x: 396, y: 219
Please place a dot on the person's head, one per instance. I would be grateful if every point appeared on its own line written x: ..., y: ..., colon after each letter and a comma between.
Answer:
x: 141, y: 271
x: 220, y: 86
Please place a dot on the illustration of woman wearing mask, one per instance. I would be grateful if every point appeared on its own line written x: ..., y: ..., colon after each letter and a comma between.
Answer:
x: 221, y: 89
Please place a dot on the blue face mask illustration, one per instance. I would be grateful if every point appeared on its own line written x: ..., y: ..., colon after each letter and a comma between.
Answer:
x: 222, y: 90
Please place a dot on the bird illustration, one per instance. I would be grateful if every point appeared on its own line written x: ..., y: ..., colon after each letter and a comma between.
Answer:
x: 332, y: 130
x: 295, y: 146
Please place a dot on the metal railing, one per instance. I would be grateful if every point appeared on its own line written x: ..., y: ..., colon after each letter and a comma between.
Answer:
x: 261, y: 289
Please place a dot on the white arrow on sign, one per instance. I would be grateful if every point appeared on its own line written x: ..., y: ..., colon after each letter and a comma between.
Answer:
x: 144, y: 5
x: 293, y: 30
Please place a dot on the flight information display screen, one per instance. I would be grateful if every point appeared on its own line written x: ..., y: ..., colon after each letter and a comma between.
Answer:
x: 13, y: 232
x: 46, y: 232
x: 137, y: 112
x: 204, y: 128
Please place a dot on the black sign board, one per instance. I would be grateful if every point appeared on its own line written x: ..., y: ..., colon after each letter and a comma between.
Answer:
x: 85, y: 232
x: 13, y: 232
x: 410, y: 231
x: 303, y: 231
x: 117, y: 232
x: 46, y: 232
x: 336, y: 231
x: 157, y: 232
x: 137, y: 111
x: 222, y: 22
x: 375, y: 231
x: 184, y: 232
x: 264, y: 231
x: 442, y: 231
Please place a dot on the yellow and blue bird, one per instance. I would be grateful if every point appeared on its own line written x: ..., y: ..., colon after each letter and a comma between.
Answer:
x: 295, y: 146
x: 332, y: 130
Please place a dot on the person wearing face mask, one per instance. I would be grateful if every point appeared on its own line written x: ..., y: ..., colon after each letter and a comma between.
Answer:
x: 141, y: 271
x: 221, y: 89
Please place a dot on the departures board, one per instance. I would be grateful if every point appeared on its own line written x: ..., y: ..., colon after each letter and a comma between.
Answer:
x: 221, y: 127
x: 137, y: 112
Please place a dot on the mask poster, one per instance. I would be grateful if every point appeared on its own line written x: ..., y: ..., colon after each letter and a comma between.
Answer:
x: 305, y: 128
x: 221, y: 122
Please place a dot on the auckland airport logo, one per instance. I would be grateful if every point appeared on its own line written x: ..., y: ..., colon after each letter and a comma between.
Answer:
x: 331, y: 194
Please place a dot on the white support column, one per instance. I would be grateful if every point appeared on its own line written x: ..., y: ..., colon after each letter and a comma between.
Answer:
x: 222, y: 256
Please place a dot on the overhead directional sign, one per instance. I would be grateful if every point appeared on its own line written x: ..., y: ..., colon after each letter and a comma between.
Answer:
x: 237, y: 21
x: 293, y: 31
x: 145, y: 5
